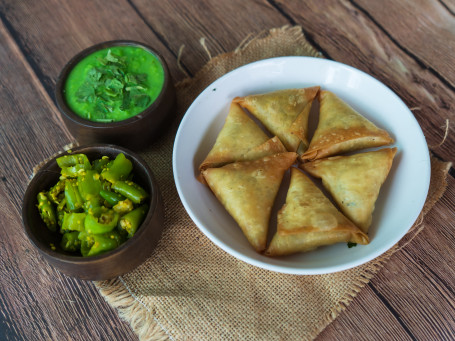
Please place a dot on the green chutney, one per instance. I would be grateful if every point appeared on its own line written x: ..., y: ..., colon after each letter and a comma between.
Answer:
x: 114, y: 84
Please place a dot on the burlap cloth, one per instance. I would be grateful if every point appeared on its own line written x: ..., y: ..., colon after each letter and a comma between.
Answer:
x: 190, y: 289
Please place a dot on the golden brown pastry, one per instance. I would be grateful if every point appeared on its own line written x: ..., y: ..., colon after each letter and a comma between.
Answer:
x: 239, y: 135
x: 248, y: 189
x: 308, y: 220
x: 284, y: 113
x: 342, y: 129
x: 354, y: 181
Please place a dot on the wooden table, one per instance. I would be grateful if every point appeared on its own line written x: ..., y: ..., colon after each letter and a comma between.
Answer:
x: 407, y: 44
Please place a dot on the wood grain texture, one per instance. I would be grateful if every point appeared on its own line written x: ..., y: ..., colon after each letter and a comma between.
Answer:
x: 411, y: 298
x: 348, y: 35
x: 52, y: 32
x: 424, y: 29
x: 37, y: 302
x: 223, y: 24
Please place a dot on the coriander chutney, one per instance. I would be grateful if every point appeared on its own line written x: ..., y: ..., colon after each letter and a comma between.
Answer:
x: 114, y: 84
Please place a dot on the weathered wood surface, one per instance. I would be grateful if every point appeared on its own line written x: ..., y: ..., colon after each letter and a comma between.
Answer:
x: 408, y: 45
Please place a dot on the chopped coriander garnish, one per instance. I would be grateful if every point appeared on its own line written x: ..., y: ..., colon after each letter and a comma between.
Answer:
x: 110, y: 83
x: 114, y: 84
x: 351, y: 244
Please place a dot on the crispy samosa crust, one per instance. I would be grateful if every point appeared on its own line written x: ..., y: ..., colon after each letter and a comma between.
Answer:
x: 308, y: 241
x: 284, y: 113
x: 308, y: 220
x: 239, y: 135
x: 248, y: 190
x: 354, y: 181
x: 341, y: 129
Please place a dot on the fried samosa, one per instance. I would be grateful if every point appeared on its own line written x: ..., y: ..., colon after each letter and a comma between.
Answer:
x: 239, y: 135
x: 284, y: 113
x: 248, y: 189
x: 308, y: 220
x: 354, y: 181
x: 342, y: 129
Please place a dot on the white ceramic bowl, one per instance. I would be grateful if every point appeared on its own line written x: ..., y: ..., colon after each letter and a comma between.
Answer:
x: 402, y: 195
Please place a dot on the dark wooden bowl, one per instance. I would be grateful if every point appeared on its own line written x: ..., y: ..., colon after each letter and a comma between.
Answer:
x: 136, y: 132
x: 110, y: 264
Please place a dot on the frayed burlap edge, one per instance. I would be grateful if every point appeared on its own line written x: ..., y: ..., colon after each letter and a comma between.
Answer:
x: 132, y: 310
x: 141, y: 319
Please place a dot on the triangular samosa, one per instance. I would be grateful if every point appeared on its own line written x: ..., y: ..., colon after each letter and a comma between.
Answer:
x: 248, y: 189
x: 239, y: 135
x: 308, y: 220
x: 354, y: 181
x: 342, y: 129
x: 284, y: 113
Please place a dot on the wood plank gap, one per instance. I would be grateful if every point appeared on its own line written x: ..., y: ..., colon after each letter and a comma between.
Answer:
x: 45, y: 81
x: 401, y: 47
x: 446, y: 7
x: 424, y: 268
x: 159, y: 36
x: 308, y: 36
x: 393, y: 311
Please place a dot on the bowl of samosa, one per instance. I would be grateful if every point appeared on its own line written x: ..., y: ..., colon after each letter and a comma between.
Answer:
x: 294, y: 179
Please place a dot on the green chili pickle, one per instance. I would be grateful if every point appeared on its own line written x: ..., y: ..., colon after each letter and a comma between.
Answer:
x: 114, y: 84
x: 92, y: 212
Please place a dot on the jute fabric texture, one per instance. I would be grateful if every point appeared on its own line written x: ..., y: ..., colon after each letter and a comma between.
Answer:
x: 189, y: 289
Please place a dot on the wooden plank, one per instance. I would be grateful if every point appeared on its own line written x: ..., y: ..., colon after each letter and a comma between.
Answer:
x: 52, y: 32
x: 36, y: 301
x: 421, y: 280
x: 424, y: 29
x: 224, y: 24
x: 361, y: 43
x: 360, y: 321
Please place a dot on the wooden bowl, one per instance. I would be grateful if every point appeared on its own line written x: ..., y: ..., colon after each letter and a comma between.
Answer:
x: 110, y: 264
x: 136, y: 132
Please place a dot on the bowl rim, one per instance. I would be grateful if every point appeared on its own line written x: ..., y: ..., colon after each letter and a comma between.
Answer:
x: 67, y: 68
x: 28, y: 199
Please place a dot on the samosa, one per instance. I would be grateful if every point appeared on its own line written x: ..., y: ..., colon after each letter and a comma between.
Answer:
x: 354, y: 181
x: 248, y: 190
x: 341, y: 129
x: 308, y: 220
x: 238, y: 136
x: 284, y: 113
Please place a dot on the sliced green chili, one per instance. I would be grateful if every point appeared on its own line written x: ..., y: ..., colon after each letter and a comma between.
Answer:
x: 55, y: 192
x: 89, y: 184
x: 73, y: 198
x: 132, y: 220
x: 100, y: 164
x: 88, y: 202
x: 70, y: 241
x: 123, y: 207
x: 73, y: 222
x: 46, y: 211
x: 103, y: 223
x: 101, y: 244
x: 112, y: 198
x: 72, y: 160
x: 73, y: 165
x: 130, y: 190
x: 118, y: 170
